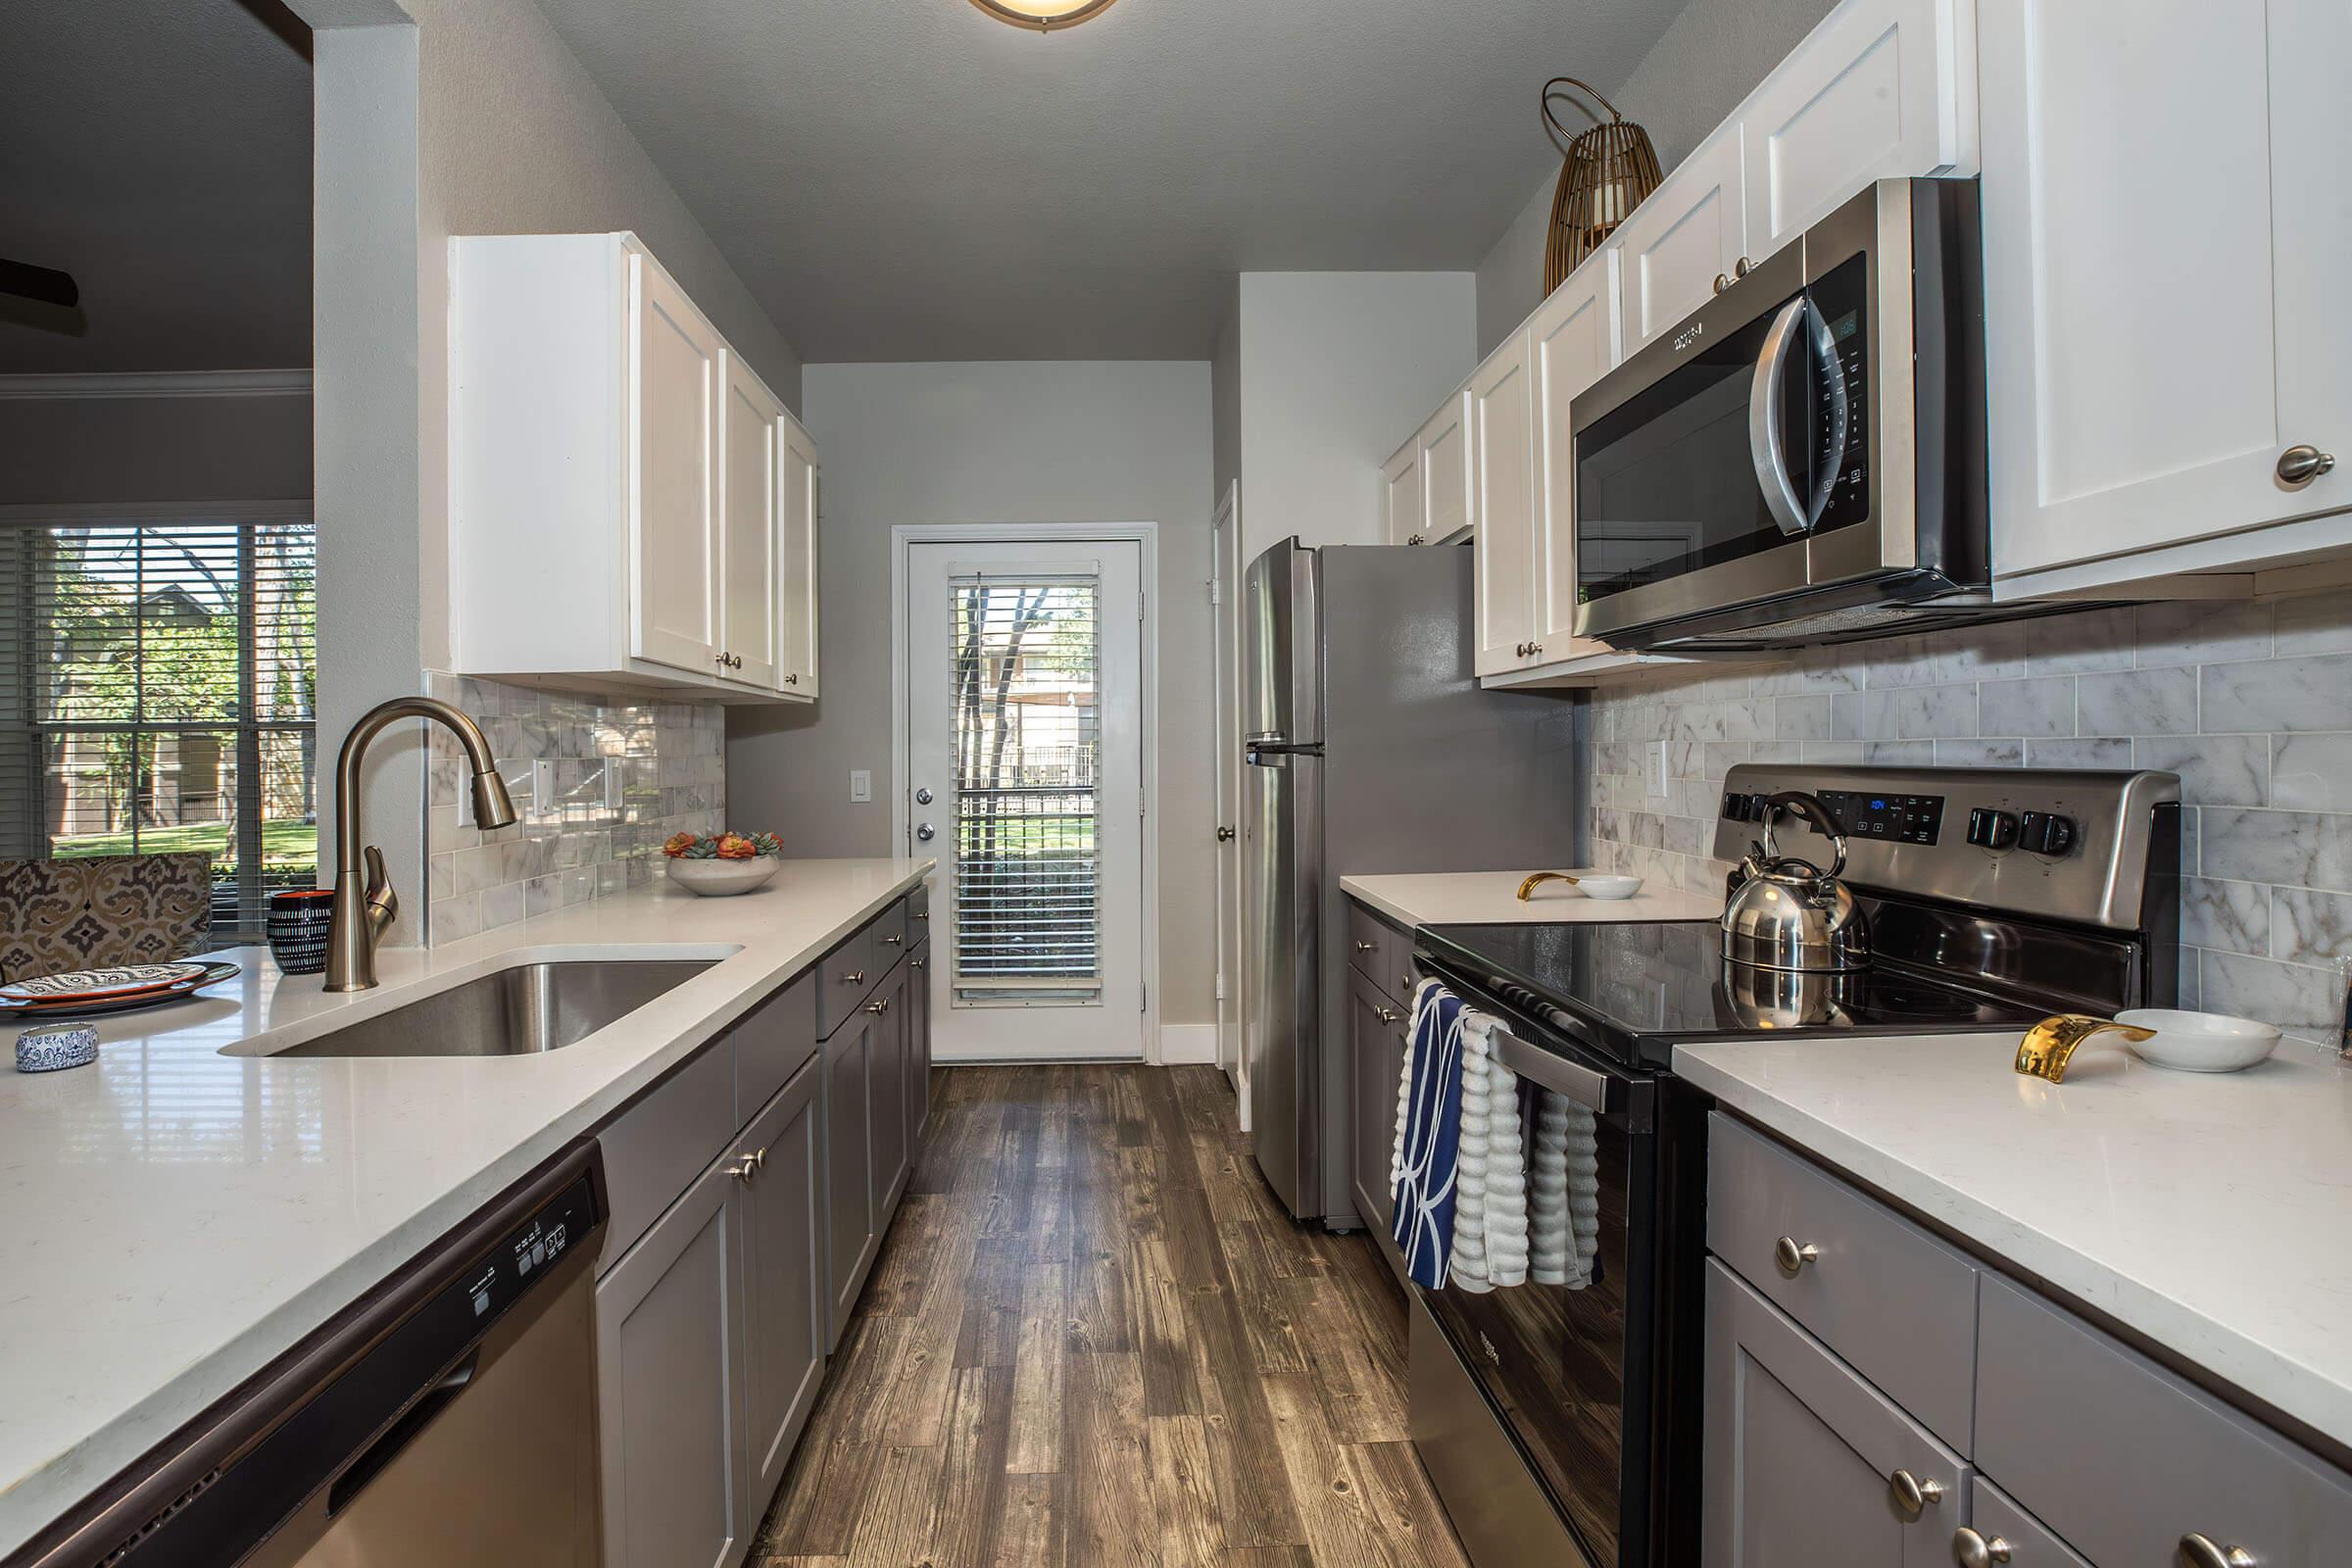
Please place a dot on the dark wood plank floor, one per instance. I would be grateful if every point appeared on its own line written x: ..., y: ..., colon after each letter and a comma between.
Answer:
x: 1094, y: 1338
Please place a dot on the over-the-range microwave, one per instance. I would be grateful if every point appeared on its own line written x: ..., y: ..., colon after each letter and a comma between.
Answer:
x: 1802, y: 459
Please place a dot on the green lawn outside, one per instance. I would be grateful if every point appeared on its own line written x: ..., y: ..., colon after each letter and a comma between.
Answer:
x: 287, y: 844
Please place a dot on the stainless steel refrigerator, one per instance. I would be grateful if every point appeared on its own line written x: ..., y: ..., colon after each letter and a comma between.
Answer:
x: 1371, y: 750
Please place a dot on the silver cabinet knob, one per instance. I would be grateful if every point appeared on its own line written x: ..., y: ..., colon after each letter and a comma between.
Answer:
x: 1417, y: 539
x: 1534, y: 649
x: 852, y: 977
x: 1912, y: 1496
x: 916, y: 964
x: 925, y: 832
x: 1363, y: 947
x: 2298, y: 466
x: 1743, y: 266
x: 878, y: 1007
x: 1792, y: 1255
x: 1225, y: 835
x: 1386, y: 1015
x: 1971, y: 1550
x: 1721, y: 282
x: 2199, y: 1551
x: 894, y: 942
x: 745, y: 1169
x: 792, y: 680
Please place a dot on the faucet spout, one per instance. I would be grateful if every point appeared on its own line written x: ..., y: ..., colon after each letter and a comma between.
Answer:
x: 364, y: 910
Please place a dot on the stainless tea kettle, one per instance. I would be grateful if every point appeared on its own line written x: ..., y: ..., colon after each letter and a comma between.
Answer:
x: 1791, y: 915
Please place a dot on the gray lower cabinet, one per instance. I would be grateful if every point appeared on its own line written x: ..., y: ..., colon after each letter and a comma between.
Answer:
x: 918, y: 1044
x: 1376, y: 1048
x: 852, y: 1224
x: 784, y: 1295
x: 1806, y: 1463
x: 669, y: 1386
x: 888, y: 1090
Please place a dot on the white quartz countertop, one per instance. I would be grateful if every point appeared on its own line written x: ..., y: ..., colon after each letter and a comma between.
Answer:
x: 1490, y: 897
x: 172, y: 1218
x: 2211, y: 1214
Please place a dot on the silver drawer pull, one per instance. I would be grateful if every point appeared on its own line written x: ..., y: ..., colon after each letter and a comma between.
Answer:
x: 1386, y: 1015
x: 891, y: 942
x: 879, y: 1007
x: 1912, y: 1496
x: 745, y: 1172
x: 1364, y: 947
x: 1792, y: 1255
x: 853, y: 977
x: 2199, y: 1551
x: 1971, y: 1550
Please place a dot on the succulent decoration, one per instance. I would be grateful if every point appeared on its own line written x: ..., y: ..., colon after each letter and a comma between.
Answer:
x: 728, y: 846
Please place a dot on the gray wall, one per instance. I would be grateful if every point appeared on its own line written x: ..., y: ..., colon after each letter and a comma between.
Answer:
x: 1225, y: 396
x: 1045, y: 441
x: 69, y: 450
x: 1708, y: 60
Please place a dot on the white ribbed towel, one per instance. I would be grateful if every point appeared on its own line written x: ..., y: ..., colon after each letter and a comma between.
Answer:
x: 1564, y: 1188
x: 1489, y: 1212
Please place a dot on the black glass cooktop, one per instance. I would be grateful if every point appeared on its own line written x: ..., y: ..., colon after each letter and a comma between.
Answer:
x: 1633, y: 990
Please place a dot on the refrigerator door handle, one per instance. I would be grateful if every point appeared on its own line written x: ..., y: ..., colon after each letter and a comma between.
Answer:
x: 1252, y: 750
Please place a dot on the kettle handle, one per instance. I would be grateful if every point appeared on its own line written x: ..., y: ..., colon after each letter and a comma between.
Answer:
x: 1798, y: 804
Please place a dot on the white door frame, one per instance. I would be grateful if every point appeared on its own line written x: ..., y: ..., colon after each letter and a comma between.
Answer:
x: 1146, y: 536
x: 1225, y: 587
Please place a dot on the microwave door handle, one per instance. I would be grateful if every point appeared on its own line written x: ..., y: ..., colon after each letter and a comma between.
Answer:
x: 1832, y: 372
x: 1764, y: 410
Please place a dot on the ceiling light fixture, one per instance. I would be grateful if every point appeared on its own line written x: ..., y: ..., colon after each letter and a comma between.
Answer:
x: 1044, y: 15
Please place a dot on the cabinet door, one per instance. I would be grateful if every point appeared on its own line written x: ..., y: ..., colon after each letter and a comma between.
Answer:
x: 1573, y: 343
x: 2010, y: 1535
x: 1803, y: 1458
x: 888, y: 1080
x: 1376, y: 1053
x: 1678, y: 241
x: 1401, y: 498
x: 2142, y: 385
x: 1882, y: 89
x: 918, y: 1049
x: 783, y: 1277
x: 851, y: 1233
x: 669, y: 1371
x: 1503, y: 445
x: 751, y: 523
x: 798, y: 553
x: 673, y: 498
x: 1446, y: 476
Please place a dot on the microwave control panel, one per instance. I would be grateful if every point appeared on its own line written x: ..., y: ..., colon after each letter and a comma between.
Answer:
x: 1842, y: 299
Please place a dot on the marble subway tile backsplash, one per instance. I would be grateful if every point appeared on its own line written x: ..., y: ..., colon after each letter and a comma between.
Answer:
x: 596, y: 786
x: 2249, y: 702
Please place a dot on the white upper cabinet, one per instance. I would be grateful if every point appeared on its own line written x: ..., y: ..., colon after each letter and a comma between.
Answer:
x: 751, y: 530
x: 623, y: 489
x: 1401, y: 498
x: 1503, y: 431
x: 1448, y: 476
x: 1683, y: 241
x: 2164, y: 322
x: 1572, y: 343
x: 1880, y: 90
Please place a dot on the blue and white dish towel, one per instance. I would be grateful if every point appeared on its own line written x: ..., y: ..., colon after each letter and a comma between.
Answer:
x: 1424, y: 1163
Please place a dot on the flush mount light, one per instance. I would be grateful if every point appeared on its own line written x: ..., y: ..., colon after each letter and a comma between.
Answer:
x: 1043, y: 15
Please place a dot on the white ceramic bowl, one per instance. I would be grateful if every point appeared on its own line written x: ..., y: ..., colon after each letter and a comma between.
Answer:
x: 1608, y: 887
x: 723, y: 880
x: 2199, y: 1041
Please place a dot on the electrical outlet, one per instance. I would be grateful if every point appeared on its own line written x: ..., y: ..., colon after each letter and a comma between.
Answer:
x: 1657, y: 769
x: 862, y: 785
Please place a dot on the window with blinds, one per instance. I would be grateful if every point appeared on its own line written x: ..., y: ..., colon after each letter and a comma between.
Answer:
x: 158, y: 688
x: 1027, y: 655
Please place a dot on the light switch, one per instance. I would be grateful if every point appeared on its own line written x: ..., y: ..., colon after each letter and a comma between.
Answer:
x: 862, y: 784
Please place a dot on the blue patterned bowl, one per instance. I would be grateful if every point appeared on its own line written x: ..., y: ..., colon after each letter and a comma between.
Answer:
x: 55, y: 1047
x: 298, y: 922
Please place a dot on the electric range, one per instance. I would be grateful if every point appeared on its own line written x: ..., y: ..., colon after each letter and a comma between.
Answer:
x: 1562, y: 1423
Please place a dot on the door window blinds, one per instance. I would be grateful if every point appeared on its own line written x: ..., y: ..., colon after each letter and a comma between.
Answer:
x: 157, y: 693
x: 1027, y: 657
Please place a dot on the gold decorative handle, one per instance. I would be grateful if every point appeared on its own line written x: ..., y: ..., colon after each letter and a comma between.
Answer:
x: 1971, y: 1550
x: 2051, y: 1044
x: 878, y: 1007
x: 1527, y: 888
x: 1791, y: 1257
x: 1913, y: 1496
x: 2199, y: 1551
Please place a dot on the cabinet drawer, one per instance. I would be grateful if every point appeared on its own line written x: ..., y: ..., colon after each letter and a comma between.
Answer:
x: 918, y: 916
x: 2006, y: 1527
x: 655, y: 1150
x: 1381, y: 954
x: 844, y: 977
x: 772, y: 1041
x: 890, y: 936
x: 2123, y: 1459
x: 1891, y: 1300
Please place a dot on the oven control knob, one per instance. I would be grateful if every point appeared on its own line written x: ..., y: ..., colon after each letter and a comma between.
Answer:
x: 1990, y: 829
x: 2046, y: 832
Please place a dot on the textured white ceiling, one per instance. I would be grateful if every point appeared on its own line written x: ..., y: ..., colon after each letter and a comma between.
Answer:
x: 913, y: 179
x: 159, y: 150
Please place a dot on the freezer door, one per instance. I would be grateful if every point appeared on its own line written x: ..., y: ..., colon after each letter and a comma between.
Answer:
x: 1282, y: 682
x: 1282, y: 798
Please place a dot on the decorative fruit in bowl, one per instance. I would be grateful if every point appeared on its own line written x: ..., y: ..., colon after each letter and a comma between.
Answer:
x: 723, y: 865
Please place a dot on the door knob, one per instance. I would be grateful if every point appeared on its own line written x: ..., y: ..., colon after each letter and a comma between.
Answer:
x: 1225, y: 835
x: 2199, y: 1551
x: 1971, y: 1550
x: 2298, y: 466
x: 1912, y: 1496
x: 925, y: 832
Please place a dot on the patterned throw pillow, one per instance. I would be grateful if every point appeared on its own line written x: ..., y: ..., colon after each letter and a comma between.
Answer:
x: 57, y: 915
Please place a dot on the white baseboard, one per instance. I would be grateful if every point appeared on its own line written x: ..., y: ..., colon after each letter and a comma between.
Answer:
x: 1182, y: 1043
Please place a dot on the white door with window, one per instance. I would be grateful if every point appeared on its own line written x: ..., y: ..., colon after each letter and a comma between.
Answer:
x: 1024, y: 777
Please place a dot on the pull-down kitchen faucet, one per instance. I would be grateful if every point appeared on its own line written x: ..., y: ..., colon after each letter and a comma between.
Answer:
x: 359, y: 917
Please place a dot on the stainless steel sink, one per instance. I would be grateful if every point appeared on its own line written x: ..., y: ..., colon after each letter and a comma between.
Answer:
x: 514, y: 1012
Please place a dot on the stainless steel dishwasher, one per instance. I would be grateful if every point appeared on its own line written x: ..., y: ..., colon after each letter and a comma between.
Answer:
x: 448, y: 1419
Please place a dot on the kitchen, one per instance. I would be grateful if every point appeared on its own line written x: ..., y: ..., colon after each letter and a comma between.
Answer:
x: 1842, y: 512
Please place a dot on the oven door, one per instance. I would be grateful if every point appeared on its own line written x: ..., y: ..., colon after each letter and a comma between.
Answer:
x: 1703, y: 464
x: 1562, y: 1359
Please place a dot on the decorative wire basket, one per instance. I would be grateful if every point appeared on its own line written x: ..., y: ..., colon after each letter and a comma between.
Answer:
x: 1608, y: 169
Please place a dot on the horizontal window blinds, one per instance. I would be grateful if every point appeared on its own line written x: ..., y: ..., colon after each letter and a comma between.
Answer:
x: 158, y: 686
x: 1026, y: 659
